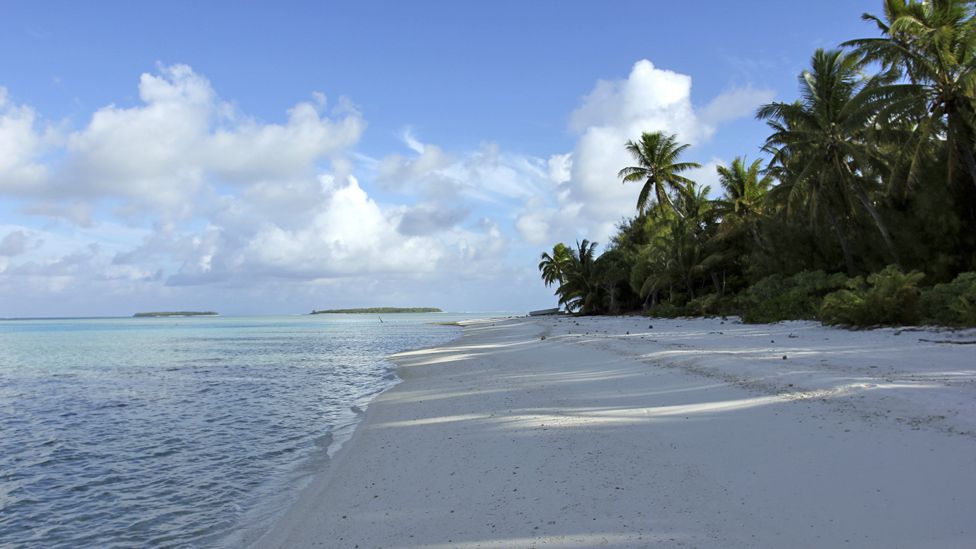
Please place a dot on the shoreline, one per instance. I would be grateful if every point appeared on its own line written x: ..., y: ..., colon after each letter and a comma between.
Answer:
x: 691, y: 432
x: 267, y: 516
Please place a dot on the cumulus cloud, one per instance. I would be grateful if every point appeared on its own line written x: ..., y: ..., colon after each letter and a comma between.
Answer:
x: 231, y: 199
x: 183, y: 137
x: 22, y: 144
x: 350, y: 236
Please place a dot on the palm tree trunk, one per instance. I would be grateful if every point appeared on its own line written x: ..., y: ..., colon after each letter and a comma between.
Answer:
x: 879, y: 223
x: 754, y: 231
x: 844, y: 247
x: 957, y: 128
x: 967, y: 156
x: 865, y: 201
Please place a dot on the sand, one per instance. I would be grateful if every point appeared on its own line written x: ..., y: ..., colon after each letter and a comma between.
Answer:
x: 606, y: 432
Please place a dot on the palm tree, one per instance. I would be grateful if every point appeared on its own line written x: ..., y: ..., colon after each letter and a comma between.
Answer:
x: 580, y: 288
x: 658, y: 167
x: 676, y: 254
x: 745, y: 197
x: 934, y: 44
x: 553, y: 266
x: 833, y: 135
x: 745, y: 188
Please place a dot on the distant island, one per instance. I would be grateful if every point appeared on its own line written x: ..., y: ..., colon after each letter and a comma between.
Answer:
x: 379, y: 310
x: 155, y: 314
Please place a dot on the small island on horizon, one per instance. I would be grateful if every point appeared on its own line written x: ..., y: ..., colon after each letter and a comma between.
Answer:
x: 379, y: 310
x: 157, y: 314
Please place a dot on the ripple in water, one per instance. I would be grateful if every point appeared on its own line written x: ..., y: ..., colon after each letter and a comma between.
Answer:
x: 165, y: 432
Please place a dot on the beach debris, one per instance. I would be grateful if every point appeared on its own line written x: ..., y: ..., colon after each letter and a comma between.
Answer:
x: 650, y: 326
x: 784, y: 357
x: 543, y: 338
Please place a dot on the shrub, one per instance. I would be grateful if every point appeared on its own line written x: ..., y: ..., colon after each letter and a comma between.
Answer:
x: 711, y: 305
x: 704, y: 305
x: 889, y: 297
x: 777, y: 298
x: 667, y: 310
x: 950, y: 304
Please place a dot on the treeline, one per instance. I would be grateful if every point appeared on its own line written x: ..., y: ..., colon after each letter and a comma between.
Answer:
x: 864, y: 213
x: 379, y: 310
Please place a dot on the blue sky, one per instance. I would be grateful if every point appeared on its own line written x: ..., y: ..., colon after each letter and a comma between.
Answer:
x: 278, y: 158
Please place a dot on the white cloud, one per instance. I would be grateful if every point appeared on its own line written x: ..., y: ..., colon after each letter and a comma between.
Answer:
x: 412, y: 142
x: 183, y: 138
x: 733, y: 104
x: 649, y: 99
x: 707, y: 174
x: 560, y: 167
x: 351, y: 235
x: 21, y: 146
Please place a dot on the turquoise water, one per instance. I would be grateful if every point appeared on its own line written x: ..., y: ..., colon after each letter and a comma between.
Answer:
x: 166, y: 432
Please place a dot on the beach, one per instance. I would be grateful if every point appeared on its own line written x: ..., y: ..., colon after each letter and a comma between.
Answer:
x: 636, y: 432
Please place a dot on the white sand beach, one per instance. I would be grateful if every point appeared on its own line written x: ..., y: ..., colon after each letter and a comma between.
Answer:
x: 636, y: 432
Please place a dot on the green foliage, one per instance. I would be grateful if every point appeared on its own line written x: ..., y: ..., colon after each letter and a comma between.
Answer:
x: 667, y: 310
x: 873, y: 164
x: 779, y: 297
x: 158, y: 314
x: 711, y: 305
x: 889, y: 297
x: 379, y: 310
x: 950, y: 304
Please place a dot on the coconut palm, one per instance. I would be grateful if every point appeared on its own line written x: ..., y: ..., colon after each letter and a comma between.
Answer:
x: 676, y: 255
x: 553, y: 266
x: 658, y: 167
x: 744, y: 200
x: 580, y: 288
x: 934, y: 44
x: 832, y: 134
x: 745, y: 188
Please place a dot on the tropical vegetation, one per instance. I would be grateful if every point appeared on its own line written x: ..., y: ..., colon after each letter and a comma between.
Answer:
x: 861, y: 210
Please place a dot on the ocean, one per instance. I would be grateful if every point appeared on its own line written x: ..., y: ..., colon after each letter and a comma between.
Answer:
x: 180, y: 432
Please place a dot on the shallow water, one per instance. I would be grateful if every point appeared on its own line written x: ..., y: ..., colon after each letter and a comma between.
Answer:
x: 165, y: 432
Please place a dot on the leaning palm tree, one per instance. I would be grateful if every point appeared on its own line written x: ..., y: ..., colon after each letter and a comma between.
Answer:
x: 658, y: 167
x: 933, y: 43
x: 833, y: 133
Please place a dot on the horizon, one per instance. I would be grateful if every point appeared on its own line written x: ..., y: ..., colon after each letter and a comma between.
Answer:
x: 264, y: 161
x: 219, y: 314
